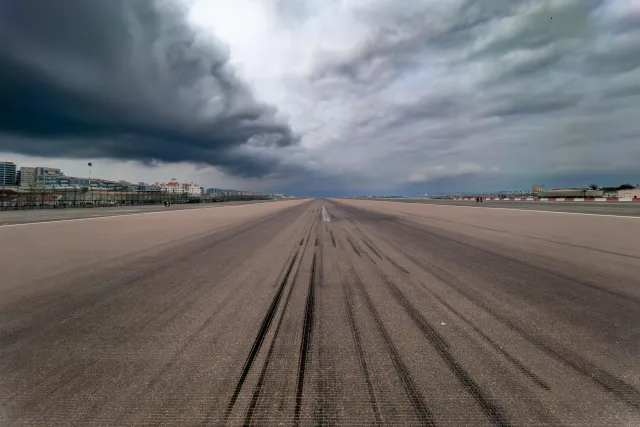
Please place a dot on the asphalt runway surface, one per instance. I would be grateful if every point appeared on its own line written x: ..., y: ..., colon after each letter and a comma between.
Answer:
x: 322, y: 312
x: 27, y: 216
x: 596, y: 208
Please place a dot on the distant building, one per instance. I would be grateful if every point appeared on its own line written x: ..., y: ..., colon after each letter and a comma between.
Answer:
x: 7, y: 174
x: 48, y: 177
x: 27, y: 176
x: 631, y: 193
x: 537, y: 189
x: 571, y: 192
x: 176, y: 187
x: 41, y: 170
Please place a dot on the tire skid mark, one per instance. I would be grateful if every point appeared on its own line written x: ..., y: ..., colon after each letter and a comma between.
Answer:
x: 181, y: 301
x: 180, y: 304
x: 621, y: 389
x: 263, y: 373
x: 371, y: 247
x: 492, y: 410
x: 379, y: 253
x: 321, y: 385
x: 591, y: 248
x: 326, y: 406
x: 368, y: 243
x: 373, y: 261
x: 307, y: 336
x: 357, y: 340
x: 398, y: 266
x: 533, y: 377
x: 422, y: 410
x: 333, y: 239
x: 261, y: 379
x: 618, y: 387
x: 353, y: 246
x: 145, y: 268
x: 190, y: 339
x: 393, y: 262
x: 262, y: 332
x: 519, y: 262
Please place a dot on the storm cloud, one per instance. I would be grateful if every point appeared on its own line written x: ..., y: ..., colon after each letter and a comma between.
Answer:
x: 131, y: 80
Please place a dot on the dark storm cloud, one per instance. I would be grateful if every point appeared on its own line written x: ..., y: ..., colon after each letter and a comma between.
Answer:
x: 126, y: 80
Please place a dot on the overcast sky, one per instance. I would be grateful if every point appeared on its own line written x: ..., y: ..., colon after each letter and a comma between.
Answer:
x: 325, y: 97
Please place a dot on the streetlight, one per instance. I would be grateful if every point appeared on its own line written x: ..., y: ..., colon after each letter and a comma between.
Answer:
x: 90, y: 196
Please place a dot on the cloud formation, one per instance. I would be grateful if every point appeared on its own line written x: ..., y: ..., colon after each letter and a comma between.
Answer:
x: 455, y: 89
x: 379, y: 95
x: 128, y: 80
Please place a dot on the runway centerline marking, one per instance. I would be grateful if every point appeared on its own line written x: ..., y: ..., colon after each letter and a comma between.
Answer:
x: 325, y: 215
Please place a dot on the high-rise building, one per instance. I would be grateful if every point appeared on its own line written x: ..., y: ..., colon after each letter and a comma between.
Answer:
x: 27, y: 177
x: 7, y: 173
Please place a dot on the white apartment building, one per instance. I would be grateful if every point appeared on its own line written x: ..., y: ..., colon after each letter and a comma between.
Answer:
x: 176, y: 187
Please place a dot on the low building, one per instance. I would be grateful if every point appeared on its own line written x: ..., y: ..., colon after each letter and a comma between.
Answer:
x: 48, y: 177
x: 630, y: 193
x: 571, y: 192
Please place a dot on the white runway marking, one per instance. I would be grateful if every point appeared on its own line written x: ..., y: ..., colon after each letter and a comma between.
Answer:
x: 325, y: 214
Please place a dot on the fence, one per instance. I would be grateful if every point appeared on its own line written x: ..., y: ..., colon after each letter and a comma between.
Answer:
x: 43, y: 198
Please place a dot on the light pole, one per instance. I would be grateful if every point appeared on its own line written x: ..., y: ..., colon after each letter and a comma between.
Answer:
x: 90, y: 197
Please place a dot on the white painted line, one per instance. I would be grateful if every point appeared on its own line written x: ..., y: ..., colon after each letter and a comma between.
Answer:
x: 117, y: 216
x: 325, y: 214
x: 528, y: 210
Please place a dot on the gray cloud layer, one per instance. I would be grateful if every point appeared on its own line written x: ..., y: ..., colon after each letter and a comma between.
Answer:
x: 127, y: 80
x: 514, y: 91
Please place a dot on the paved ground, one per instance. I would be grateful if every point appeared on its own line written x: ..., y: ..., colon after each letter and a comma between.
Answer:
x: 389, y: 314
x: 61, y: 214
x: 597, y: 208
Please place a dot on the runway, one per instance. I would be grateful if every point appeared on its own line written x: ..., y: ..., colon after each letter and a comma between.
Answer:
x: 595, y: 208
x: 322, y: 312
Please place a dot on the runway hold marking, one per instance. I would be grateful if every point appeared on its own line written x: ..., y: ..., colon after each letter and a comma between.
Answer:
x: 325, y: 214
